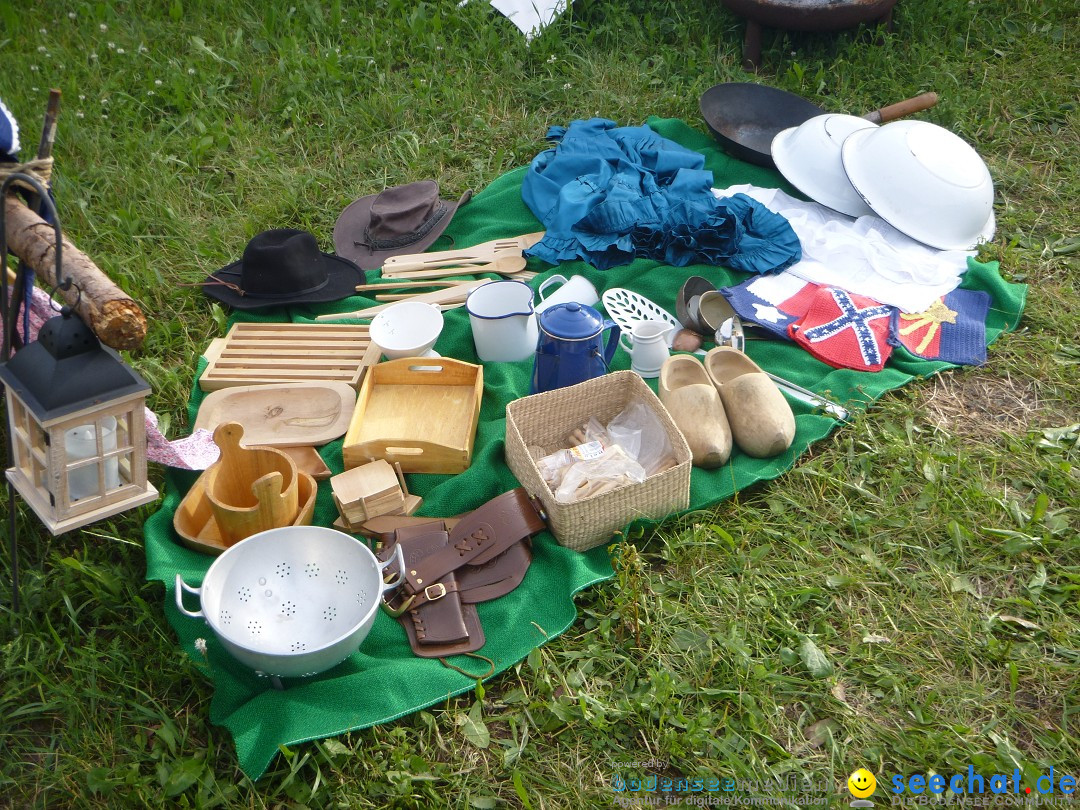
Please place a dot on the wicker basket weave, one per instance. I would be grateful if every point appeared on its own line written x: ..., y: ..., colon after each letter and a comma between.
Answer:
x: 546, y: 419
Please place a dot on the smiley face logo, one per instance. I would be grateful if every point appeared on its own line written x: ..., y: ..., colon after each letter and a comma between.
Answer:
x: 862, y: 784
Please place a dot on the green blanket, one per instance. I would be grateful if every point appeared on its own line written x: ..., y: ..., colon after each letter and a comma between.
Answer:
x: 384, y: 681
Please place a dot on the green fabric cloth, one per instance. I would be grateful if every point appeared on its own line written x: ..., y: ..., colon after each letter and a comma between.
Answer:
x: 384, y: 681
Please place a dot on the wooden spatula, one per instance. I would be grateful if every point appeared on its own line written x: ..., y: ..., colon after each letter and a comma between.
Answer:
x: 449, y: 296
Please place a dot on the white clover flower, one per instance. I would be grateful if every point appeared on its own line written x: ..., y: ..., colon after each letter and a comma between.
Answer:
x: 33, y: 89
x: 112, y: 46
x: 82, y: 97
x: 157, y: 82
x: 33, y: 68
x: 191, y: 71
x: 42, y: 49
x: 149, y: 92
x: 551, y: 59
x: 93, y: 56
x: 42, y: 31
x: 119, y: 50
x: 72, y: 15
x: 79, y: 114
x: 103, y: 27
x: 200, y: 645
x: 567, y: 86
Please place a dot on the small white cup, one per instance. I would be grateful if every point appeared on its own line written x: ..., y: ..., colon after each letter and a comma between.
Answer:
x: 576, y: 288
x: 648, y: 347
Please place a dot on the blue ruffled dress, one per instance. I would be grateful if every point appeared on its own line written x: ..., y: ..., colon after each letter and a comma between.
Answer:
x: 609, y: 194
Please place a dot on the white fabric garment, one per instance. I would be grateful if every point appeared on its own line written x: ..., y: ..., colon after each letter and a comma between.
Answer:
x: 865, y: 256
x: 530, y: 16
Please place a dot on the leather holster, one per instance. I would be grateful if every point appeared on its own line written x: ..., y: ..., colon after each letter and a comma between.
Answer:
x: 484, y: 555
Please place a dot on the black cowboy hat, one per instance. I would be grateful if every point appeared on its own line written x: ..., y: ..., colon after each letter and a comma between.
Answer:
x: 397, y: 220
x: 283, y: 266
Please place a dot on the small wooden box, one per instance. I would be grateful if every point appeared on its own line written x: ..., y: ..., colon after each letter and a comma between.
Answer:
x: 418, y: 412
x: 367, y: 491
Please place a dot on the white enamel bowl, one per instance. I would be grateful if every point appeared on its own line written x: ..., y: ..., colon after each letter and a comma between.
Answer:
x: 407, y: 329
x: 809, y: 158
x: 924, y: 181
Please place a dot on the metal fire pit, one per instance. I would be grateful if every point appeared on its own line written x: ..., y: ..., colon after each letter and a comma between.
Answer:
x: 804, y: 15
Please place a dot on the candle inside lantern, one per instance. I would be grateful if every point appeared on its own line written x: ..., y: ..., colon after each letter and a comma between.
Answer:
x: 81, y: 443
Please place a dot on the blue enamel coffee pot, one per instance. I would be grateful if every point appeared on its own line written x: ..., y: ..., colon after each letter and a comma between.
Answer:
x: 570, y: 348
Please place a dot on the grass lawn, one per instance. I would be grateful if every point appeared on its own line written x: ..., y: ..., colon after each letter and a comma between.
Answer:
x: 905, y: 599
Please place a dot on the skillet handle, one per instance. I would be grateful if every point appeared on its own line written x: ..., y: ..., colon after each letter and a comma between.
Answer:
x: 903, y: 108
x: 182, y: 586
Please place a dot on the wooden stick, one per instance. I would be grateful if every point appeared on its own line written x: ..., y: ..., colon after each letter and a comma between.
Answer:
x: 404, y: 284
x: 115, y: 318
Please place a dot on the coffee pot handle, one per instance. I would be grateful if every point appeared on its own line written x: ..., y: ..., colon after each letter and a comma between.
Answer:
x: 612, y: 341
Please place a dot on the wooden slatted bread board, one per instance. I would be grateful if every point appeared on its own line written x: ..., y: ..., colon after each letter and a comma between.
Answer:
x: 257, y: 353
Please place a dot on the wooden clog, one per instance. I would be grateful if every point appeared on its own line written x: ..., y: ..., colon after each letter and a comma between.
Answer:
x: 697, y: 410
x: 762, y: 424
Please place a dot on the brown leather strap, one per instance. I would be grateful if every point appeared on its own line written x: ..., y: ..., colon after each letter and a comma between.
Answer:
x: 478, y: 537
x: 442, y: 624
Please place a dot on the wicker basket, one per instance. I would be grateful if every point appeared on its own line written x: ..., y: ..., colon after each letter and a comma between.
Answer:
x: 546, y: 419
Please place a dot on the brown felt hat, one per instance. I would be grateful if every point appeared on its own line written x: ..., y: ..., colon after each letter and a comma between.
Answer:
x: 397, y: 220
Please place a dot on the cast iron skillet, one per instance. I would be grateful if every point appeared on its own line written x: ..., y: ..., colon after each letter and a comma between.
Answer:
x: 745, y: 117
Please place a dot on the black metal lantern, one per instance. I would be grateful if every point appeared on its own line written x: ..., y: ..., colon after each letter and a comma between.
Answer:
x: 76, y: 415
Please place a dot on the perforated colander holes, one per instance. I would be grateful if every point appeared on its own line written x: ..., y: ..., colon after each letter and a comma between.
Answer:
x: 226, y: 617
x: 282, y: 569
x: 330, y: 613
x: 297, y: 646
x: 361, y: 597
x: 288, y: 608
x: 311, y: 569
x: 244, y: 594
x: 254, y: 627
x: 341, y: 577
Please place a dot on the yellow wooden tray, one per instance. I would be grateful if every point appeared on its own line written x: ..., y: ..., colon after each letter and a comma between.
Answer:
x: 418, y: 412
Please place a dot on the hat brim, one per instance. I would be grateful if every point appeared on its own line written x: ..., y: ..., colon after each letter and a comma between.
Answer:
x: 353, y: 223
x: 342, y: 276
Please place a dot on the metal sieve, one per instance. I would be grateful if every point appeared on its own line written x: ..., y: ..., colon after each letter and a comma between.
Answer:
x: 292, y: 601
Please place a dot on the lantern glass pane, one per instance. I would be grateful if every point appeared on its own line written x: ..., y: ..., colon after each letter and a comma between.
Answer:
x: 91, y: 448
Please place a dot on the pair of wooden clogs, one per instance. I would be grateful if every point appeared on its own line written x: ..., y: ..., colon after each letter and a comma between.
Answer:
x: 726, y: 399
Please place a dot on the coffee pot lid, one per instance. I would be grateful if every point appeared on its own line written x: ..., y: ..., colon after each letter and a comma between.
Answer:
x: 571, y: 320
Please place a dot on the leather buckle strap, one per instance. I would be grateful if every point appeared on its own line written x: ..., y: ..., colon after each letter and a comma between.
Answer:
x: 477, y: 538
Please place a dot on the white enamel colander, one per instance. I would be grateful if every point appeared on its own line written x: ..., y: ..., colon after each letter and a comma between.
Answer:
x: 292, y: 601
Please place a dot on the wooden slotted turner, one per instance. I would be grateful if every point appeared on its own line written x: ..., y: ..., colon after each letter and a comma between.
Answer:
x: 484, y: 252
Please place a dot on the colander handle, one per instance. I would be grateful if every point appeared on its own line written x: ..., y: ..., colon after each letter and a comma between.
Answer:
x: 182, y: 586
x: 399, y: 556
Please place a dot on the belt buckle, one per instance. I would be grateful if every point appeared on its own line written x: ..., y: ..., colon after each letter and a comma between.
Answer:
x: 433, y: 592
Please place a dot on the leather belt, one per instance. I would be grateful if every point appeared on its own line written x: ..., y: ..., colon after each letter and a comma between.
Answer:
x: 484, y: 555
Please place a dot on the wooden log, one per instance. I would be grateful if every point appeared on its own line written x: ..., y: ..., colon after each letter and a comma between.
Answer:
x: 115, y: 318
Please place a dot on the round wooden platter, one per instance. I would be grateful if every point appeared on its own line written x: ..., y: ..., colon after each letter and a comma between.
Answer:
x: 282, y: 415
